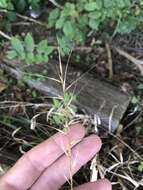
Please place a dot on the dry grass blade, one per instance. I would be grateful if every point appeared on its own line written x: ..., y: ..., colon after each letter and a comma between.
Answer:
x: 127, y: 177
x: 110, y: 62
x: 56, y: 4
x: 138, y: 63
x: 126, y: 145
x: 4, y: 35
x: 111, y: 117
x: 22, y: 141
x: 94, y: 170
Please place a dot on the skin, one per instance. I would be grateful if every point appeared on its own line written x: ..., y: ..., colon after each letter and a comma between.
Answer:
x: 47, y: 165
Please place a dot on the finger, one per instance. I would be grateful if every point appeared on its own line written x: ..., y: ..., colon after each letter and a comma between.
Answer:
x: 99, y: 185
x: 58, y: 173
x: 30, y: 166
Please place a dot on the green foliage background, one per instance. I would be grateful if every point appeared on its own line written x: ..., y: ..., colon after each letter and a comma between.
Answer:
x: 78, y: 18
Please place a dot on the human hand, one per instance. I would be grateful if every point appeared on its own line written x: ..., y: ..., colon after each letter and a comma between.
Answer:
x: 46, y: 166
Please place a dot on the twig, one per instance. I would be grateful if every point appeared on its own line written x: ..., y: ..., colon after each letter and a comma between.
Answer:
x: 110, y: 62
x: 138, y: 63
x: 26, y: 18
x: 32, y: 20
x: 56, y: 4
x: 5, y: 35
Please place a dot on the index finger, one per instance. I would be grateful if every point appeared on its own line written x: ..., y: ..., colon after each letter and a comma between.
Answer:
x: 28, y: 169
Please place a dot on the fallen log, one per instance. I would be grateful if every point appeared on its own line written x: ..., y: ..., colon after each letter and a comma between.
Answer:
x: 93, y: 95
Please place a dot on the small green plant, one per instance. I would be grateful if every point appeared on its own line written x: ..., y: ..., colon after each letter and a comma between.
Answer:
x: 63, y: 109
x: 135, y: 100
x: 140, y: 167
x: 27, y: 51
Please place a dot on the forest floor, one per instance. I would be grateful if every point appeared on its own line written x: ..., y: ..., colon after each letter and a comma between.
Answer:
x: 120, y: 159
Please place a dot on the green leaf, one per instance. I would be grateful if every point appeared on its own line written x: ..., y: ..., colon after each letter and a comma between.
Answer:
x: 60, y: 22
x: 121, y: 4
x: 11, y: 54
x: 42, y: 46
x: 22, y: 56
x: 108, y: 3
x: 140, y: 167
x: 134, y: 100
x: 29, y: 43
x: 10, y: 6
x: 39, y: 58
x: 64, y: 44
x: 17, y: 45
x: 45, y: 58
x: 67, y: 98
x: 49, y: 50
x: 92, y: 6
x: 95, y: 15
x: 53, y: 16
x: 3, y: 3
x: 29, y: 58
x: 69, y: 10
x: 99, y: 4
x: 83, y: 21
x: 58, y: 120
x: 69, y: 29
x: 80, y: 5
x: 57, y: 103
x: 94, y: 24
x: 126, y: 26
